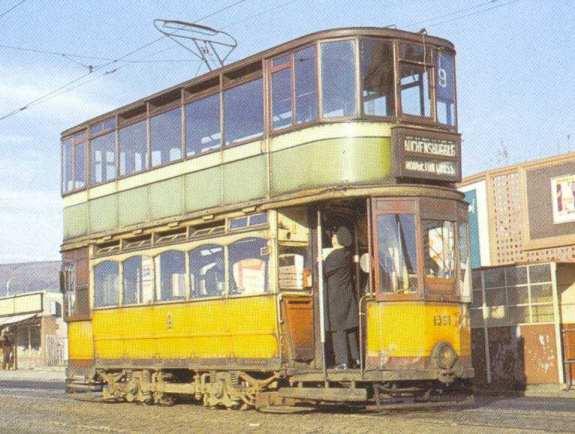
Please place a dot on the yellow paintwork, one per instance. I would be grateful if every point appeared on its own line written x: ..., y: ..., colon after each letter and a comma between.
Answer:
x: 243, y: 327
x: 412, y: 329
x: 80, y: 342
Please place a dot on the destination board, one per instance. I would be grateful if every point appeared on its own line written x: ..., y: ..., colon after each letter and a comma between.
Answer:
x: 425, y: 154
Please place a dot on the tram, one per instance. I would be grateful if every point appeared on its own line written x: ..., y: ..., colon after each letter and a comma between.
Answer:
x: 198, y: 224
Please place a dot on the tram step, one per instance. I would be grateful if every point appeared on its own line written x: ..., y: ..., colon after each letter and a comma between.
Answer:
x: 331, y: 394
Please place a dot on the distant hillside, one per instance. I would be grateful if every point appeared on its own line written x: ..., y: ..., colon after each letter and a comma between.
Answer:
x: 29, y: 277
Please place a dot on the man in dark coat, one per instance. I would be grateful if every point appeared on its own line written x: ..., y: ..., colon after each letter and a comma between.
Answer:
x: 341, y: 301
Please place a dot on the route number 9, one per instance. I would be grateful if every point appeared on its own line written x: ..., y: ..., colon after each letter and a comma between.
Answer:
x: 442, y: 77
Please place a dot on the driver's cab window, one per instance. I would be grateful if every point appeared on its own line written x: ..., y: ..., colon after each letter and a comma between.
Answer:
x: 439, y: 248
x: 397, y: 248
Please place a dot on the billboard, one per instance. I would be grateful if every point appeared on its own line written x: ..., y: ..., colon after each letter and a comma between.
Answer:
x: 563, y: 198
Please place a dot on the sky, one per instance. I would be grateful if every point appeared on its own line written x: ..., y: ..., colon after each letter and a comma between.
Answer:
x: 515, y: 69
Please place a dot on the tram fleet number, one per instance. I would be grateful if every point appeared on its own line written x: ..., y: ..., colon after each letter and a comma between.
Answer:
x: 442, y: 320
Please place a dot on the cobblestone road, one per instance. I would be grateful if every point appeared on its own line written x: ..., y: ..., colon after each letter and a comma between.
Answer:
x: 37, y: 408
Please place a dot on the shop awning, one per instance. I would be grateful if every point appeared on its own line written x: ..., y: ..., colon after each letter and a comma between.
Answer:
x: 14, y: 319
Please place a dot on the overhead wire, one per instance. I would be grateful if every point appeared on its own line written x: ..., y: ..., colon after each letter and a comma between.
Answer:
x: 476, y: 9
x: 76, y: 81
x: 7, y: 11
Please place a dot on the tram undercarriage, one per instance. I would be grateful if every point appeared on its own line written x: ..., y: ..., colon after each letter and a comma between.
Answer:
x: 268, y: 391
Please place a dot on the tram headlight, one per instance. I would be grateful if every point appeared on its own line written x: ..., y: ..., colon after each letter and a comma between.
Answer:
x: 444, y: 355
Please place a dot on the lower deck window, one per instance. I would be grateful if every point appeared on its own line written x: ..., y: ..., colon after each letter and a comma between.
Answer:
x: 170, y: 275
x: 207, y: 271
x: 106, y: 284
x: 397, y: 252
x: 248, y: 260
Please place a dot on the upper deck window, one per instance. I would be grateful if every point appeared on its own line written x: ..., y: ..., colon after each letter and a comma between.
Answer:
x: 74, y: 162
x: 166, y: 137
x: 338, y: 79
x: 203, y: 129
x: 445, y: 88
x: 133, y: 149
x: 414, y: 81
x: 377, y: 77
x: 103, y: 126
x: 305, y: 85
x: 103, y: 156
x: 282, y: 113
x: 243, y: 112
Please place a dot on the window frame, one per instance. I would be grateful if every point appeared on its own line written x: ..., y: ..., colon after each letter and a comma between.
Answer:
x: 197, y: 97
x: 429, y: 66
x: 159, y: 111
x: 356, y: 88
x: 76, y: 139
x: 259, y: 75
x: 394, y: 106
x: 423, y: 208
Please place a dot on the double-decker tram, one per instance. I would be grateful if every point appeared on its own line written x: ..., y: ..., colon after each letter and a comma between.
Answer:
x: 284, y: 230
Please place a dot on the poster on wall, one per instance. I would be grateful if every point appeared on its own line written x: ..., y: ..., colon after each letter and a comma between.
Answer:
x: 563, y: 198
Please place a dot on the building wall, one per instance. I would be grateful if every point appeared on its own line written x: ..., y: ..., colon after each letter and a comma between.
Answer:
x: 522, y: 223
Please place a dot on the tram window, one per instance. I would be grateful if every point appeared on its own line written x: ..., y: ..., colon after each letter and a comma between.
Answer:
x: 282, y: 99
x: 68, y: 165
x: 338, y: 79
x: 103, y: 158
x: 415, y: 95
x: 165, y: 137
x: 102, y: 126
x: 439, y: 248
x: 445, y: 88
x: 207, y: 271
x: 377, y: 76
x: 464, y: 261
x: 106, y: 284
x: 248, y: 266
x: 243, y: 112
x: 237, y: 223
x: 305, y: 85
x: 132, y: 276
x: 397, y: 253
x: 170, y: 275
x: 80, y: 166
x: 133, y: 149
x: 203, y: 131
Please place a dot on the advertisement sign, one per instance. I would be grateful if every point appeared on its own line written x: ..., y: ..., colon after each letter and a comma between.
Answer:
x: 426, y: 154
x: 563, y: 198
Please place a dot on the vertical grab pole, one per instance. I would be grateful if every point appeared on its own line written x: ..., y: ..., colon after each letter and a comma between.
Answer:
x: 321, y: 293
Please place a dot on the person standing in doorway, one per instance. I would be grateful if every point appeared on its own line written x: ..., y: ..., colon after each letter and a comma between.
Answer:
x: 341, y: 301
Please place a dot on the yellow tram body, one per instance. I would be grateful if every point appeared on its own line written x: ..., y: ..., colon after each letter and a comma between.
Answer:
x: 196, y: 269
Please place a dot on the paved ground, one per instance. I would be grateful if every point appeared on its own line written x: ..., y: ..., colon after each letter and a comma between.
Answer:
x: 32, y: 406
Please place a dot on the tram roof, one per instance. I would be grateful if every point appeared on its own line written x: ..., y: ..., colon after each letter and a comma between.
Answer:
x: 270, y: 52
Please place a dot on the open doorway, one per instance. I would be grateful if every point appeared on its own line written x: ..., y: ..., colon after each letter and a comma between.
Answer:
x: 344, y: 239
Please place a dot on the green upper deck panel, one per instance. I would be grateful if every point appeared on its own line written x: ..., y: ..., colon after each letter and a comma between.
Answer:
x: 315, y: 112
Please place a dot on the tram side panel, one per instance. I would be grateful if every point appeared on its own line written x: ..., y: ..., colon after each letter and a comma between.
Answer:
x: 191, y: 334
x: 404, y: 335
